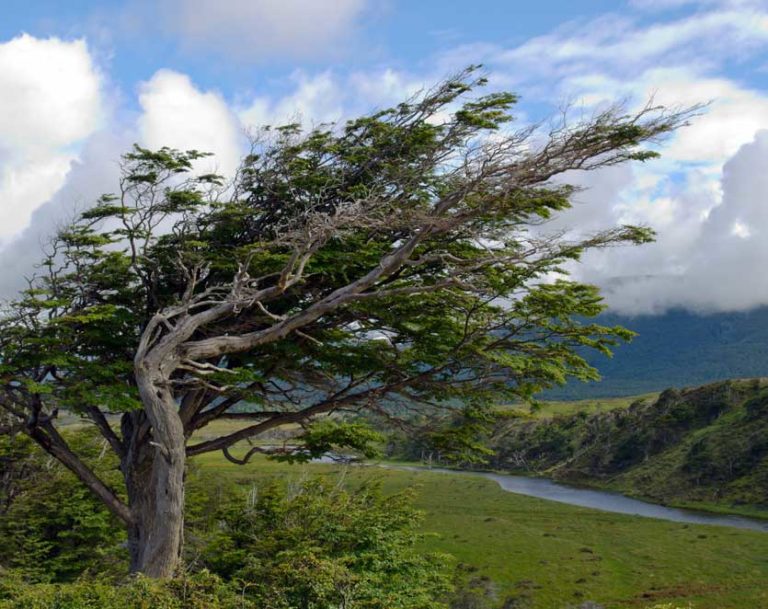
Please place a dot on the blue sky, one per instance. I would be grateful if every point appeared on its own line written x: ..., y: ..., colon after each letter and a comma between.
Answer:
x: 394, y: 33
x: 82, y: 80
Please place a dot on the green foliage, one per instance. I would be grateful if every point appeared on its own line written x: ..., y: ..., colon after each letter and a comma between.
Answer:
x: 331, y: 436
x: 708, y: 444
x: 113, y: 269
x: 524, y: 550
x: 312, y: 545
x: 197, y: 591
x: 534, y: 551
x: 52, y: 528
x: 317, y: 545
x: 461, y: 439
x: 381, y: 263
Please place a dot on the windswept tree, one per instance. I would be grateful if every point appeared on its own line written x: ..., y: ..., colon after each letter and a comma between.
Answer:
x: 397, y: 262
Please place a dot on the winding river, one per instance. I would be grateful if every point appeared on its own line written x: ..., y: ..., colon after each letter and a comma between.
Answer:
x: 600, y: 500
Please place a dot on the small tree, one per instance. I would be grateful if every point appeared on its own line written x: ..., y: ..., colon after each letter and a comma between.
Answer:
x: 388, y: 264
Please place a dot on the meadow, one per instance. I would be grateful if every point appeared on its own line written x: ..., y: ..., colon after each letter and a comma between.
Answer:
x: 545, y: 555
x: 550, y: 408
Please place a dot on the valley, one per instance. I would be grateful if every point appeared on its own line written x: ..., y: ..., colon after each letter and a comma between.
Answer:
x: 537, y: 554
x: 704, y: 447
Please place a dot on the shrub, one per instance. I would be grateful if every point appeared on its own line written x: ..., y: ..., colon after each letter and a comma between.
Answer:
x: 199, y: 591
x: 53, y: 529
x: 320, y: 546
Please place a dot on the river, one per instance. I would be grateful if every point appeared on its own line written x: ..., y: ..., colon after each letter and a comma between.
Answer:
x: 600, y: 500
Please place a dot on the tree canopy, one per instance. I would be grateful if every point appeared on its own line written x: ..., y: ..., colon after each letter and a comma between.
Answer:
x: 396, y: 262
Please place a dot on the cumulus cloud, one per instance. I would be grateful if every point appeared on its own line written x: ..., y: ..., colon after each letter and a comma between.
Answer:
x: 704, y: 197
x: 177, y: 114
x: 95, y: 172
x: 714, y: 263
x: 51, y: 102
x: 173, y: 112
x: 259, y: 29
x: 314, y: 99
x: 326, y: 97
x: 683, y: 196
x: 732, y: 117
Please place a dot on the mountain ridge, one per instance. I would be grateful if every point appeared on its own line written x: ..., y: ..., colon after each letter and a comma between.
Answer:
x: 677, y: 349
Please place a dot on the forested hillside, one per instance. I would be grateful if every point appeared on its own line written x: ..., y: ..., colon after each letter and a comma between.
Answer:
x: 708, y: 444
x: 678, y: 349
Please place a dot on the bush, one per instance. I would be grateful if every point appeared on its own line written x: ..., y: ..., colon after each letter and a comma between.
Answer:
x: 199, y: 591
x: 320, y: 546
x: 313, y: 545
x: 53, y: 529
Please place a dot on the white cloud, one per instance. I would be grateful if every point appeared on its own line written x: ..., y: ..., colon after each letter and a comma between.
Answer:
x: 683, y: 195
x: 95, y: 172
x: 51, y: 94
x: 326, y: 97
x: 258, y: 29
x: 656, y: 5
x: 173, y: 113
x: 315, y: 99
x: 25, y: 185
x: 704, y: 196
x: 731, y: 120
x: 613, y: 44
x: 720, y: 262
x: 178, y: 115
x: 51, y: 101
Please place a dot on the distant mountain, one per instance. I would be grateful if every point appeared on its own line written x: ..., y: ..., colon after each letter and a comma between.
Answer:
x: 678, y: 349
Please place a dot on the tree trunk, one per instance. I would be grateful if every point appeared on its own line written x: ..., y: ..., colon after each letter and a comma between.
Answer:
x: 153, y: 468
x: 156, y: 500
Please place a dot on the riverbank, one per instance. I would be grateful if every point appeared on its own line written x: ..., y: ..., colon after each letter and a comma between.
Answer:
x: 549, y: 555
x: 705, y: 447
x: 712, y: 507
x: 604, y: 500
x: 707, y: 507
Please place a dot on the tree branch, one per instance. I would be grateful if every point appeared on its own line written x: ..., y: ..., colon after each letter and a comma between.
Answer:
x: 98, y: 418
x: 48, y: 438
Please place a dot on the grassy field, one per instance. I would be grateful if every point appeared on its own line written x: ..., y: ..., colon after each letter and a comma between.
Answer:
x: 556, y: 555
x: 551, y: 408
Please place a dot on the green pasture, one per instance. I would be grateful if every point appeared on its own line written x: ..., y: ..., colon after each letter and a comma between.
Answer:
x: 548, y: 555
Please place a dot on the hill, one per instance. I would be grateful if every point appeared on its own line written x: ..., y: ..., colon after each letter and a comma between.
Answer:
x: 707, y: 445
x: 678, y: 349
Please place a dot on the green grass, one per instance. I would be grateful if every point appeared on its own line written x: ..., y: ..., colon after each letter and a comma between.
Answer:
x: 550, y: 408
x: 554, y: 553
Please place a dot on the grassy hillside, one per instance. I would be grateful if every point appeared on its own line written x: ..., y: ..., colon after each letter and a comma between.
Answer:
x: 707, y: 446
x: 544, y: 555
x: 678, y: 349
x: 550, y: 408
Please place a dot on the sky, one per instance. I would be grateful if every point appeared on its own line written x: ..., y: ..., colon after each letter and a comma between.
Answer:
x: 81, y: 81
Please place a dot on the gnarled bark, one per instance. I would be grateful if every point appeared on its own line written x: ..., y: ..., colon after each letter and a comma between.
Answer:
x: 154, y: 474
